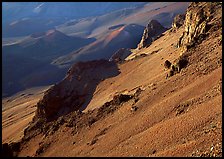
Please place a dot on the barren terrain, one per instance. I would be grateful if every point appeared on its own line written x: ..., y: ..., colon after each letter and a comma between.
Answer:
x: 178, y: 116
x: 17, y: 111
x: 140, y: 111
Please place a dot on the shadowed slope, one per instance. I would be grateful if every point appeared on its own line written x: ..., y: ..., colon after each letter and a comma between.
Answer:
x: 76, y: 89
x: 127, y: 36
x: 30, y: 59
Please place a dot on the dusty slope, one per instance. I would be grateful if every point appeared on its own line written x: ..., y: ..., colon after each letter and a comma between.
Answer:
x: 34, y: 55
x: 127, y: 36
x: 95, y: 26
x: 64, y: 45
x: 178, y: 116
x: 140, y: 71
x: 18, y: 111
x: 163, y: 12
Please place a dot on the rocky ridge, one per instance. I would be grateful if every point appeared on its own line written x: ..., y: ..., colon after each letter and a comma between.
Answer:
x: 73, y: 80
x: 178, y: 21
x: 198, y: 22
x: 75, y: 89
x: 151, y: 32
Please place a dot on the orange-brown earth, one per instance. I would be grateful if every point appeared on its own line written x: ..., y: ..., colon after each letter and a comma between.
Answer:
x: 17, y: 111
x: 176, y: 116
x: 104, y: 47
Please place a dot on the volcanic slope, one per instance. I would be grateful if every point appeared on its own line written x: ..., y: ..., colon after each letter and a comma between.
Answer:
x: 127, y: 36
x: 34, y: 55
x: 95, y: 26
x: 141, y: 111
x: 17, y: 111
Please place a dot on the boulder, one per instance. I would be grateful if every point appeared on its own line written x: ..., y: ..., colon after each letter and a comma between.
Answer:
x: 167, y: 64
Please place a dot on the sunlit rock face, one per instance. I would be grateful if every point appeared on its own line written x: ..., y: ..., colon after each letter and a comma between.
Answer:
x: 178, y: 21
x: 198, y: 17
x: 152, y: 30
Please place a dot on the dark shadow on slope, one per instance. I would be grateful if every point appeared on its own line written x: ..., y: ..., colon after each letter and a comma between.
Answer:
x: 76, y: 90
x: 28, y: 63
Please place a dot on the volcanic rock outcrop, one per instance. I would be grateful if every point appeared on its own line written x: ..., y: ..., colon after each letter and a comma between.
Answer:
x: 197, y: 23
x: 151, y: 32
x: 178, y: 21
x: 166, y: 118
x: 75, y: 90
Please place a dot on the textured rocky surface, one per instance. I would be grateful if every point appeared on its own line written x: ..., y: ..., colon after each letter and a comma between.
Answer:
x: 164, y: 117
x: 199, y: 19
x: 76, y: 89
x: 178, y: 21
x: 152, y: 30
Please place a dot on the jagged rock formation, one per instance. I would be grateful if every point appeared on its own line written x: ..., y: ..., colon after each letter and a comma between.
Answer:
x: 178, y: 21
x: 197, y: 23
x: 75, y: 90
x: 120, y: 55
x: 165, y: 113
x: 151, y: 32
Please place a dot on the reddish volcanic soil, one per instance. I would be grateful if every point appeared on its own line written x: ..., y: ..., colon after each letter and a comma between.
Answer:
x: 140, y: 111
x: 178, y: 116
x: 17, y: 111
